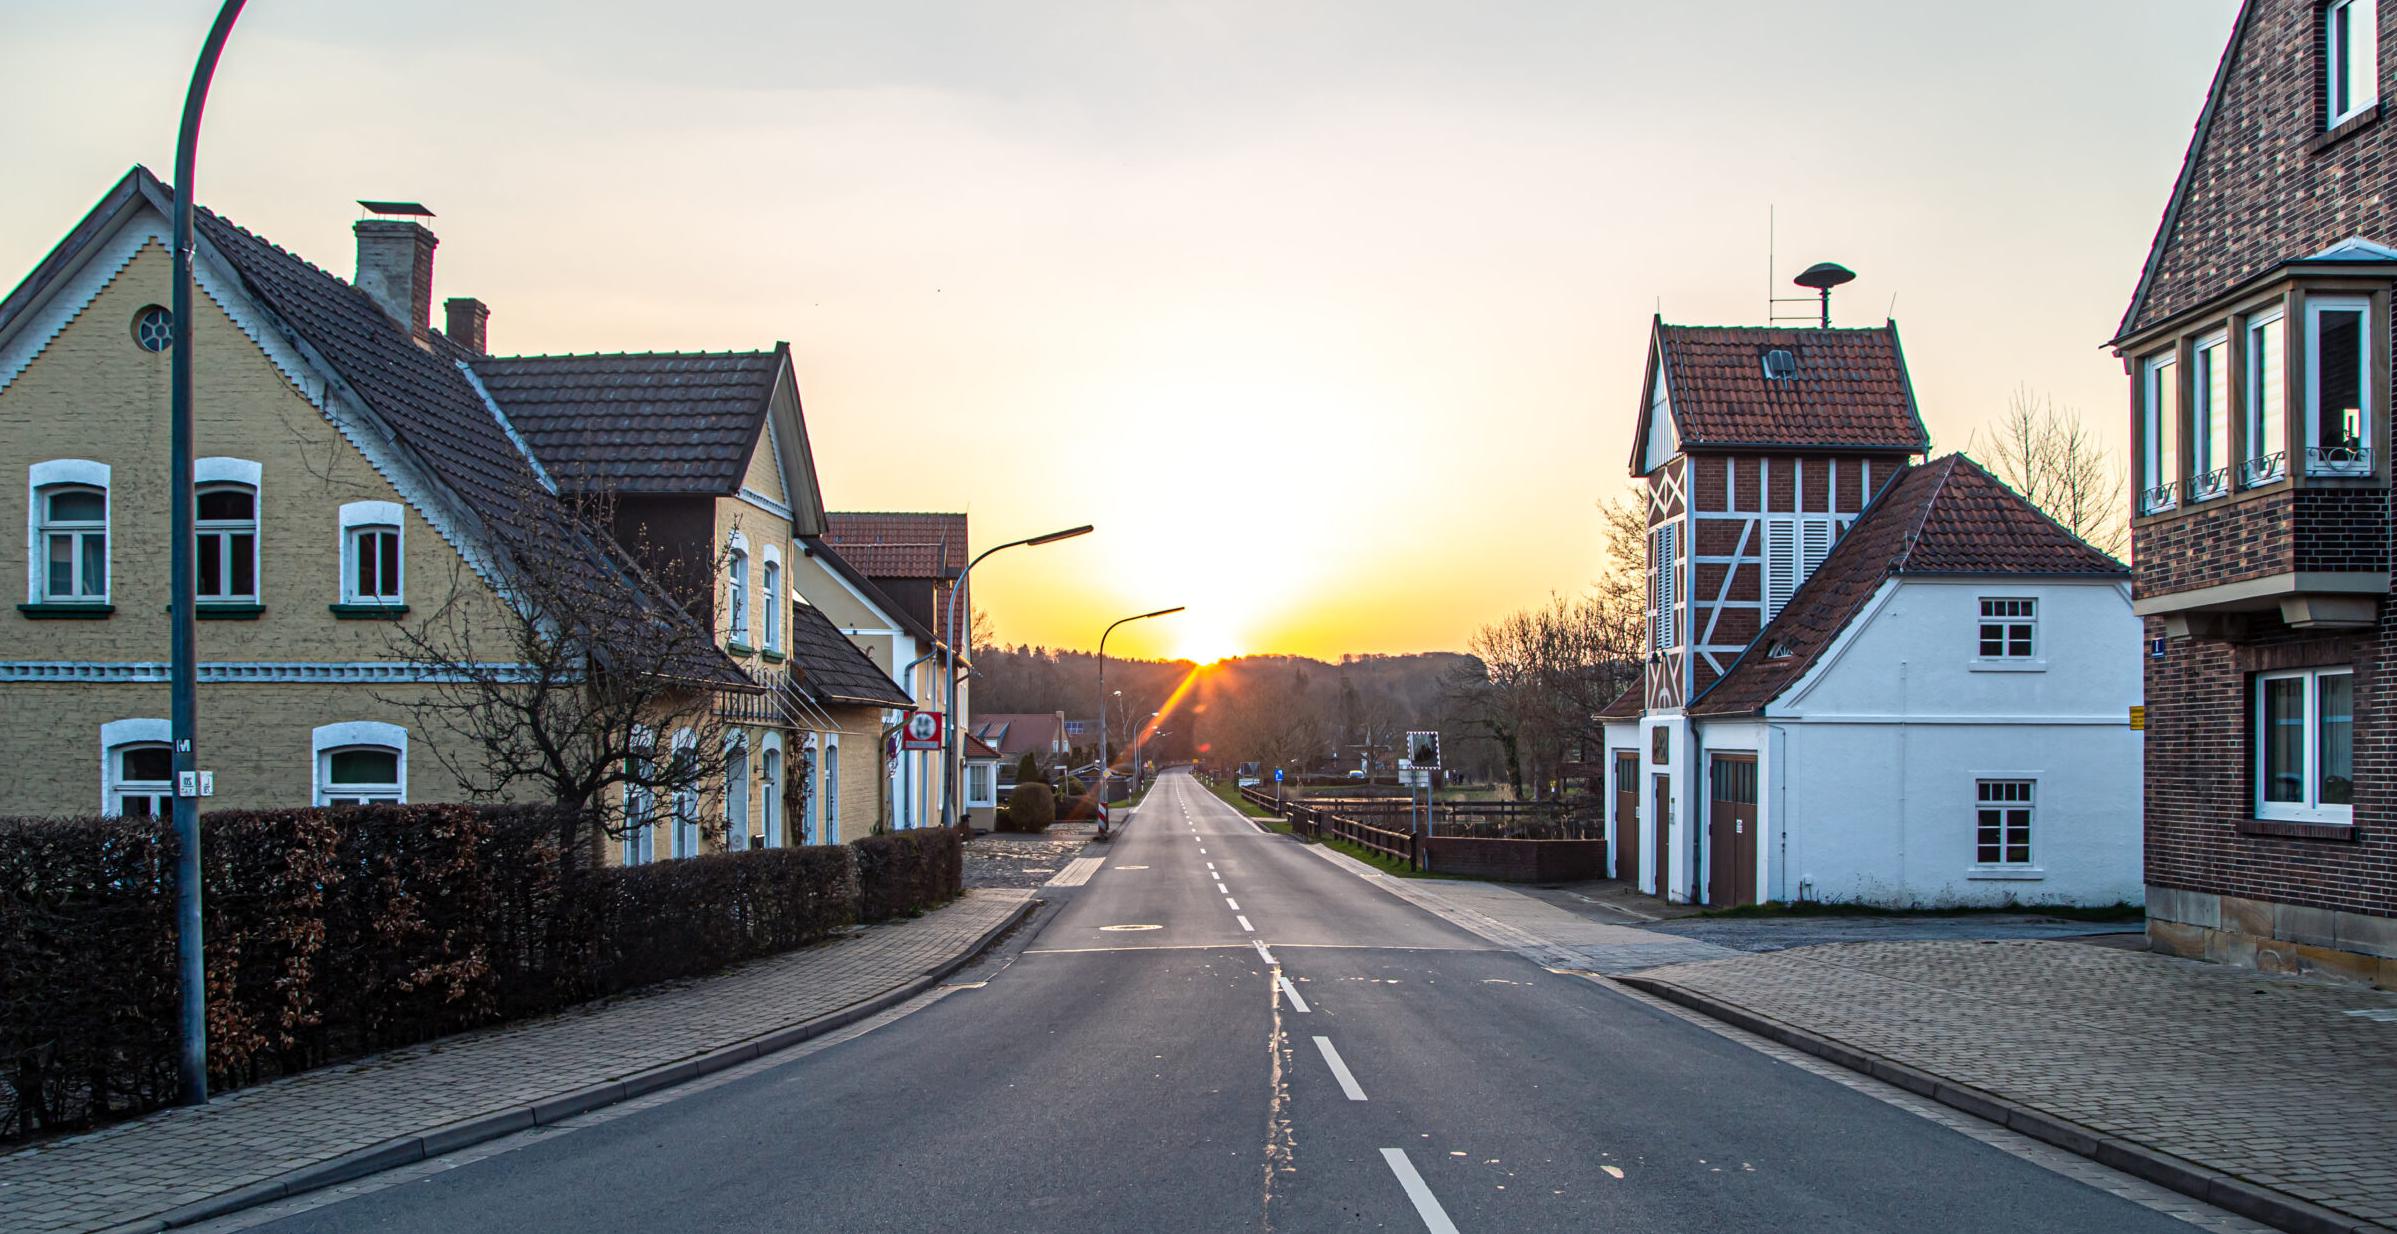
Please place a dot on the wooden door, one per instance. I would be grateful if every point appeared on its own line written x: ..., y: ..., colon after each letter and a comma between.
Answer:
x: 1662, y: 817
x: 1627, y: 816
x: 1731, y: 829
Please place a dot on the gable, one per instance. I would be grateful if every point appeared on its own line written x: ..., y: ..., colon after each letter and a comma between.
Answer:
x: 1658, y: 441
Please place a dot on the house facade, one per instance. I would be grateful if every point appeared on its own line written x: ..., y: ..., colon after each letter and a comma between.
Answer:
x: 1869, y: 679
x: 911, y: 562
x: 2257, y: 344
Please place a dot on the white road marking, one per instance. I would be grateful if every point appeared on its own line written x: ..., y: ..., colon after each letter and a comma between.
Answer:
x: 1234, y: 903
x: 1221, y: 888
x: 1210, y: 865
x: 1244, y: 925
x: 1259, y: 944
x: 1427, y: 1205
x: 1331, y: 1058
x: 1297, y: 1004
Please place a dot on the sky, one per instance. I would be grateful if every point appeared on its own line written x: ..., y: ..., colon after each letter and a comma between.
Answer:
x: 1330, y: 316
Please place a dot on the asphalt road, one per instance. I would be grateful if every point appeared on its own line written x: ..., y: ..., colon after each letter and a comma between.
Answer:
x: 1383, y: 1071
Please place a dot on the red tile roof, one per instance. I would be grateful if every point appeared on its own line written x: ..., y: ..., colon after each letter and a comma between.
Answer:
x: 899, y: 540
x: 1849, y: 390
x: 1944, y: 517
x: 894, y: 560
x: 1628, y: 704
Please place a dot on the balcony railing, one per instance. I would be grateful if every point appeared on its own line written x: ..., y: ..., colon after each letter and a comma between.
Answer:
x: 2162, y: 497
x: 2257, y: 472
x: 2338, y: 460
x: 2209, y: 484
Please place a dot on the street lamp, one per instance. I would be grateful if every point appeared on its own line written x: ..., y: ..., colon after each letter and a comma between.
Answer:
x: 1139, y: 736
x: 957, y: 600
x: 191, y: 1063
x: 1103, y: 768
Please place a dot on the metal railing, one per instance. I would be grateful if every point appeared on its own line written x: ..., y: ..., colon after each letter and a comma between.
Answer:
x: 2159, y: 498
x: 2338, y: 460
x: 2257, y: 472
x: 2206, y: 485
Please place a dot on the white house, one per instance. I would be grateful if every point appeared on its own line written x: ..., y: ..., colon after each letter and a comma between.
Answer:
x: 1937, y: 708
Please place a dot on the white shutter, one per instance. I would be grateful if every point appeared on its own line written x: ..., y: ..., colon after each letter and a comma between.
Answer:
x: 1815, y: 537
x: 1664, y: 624
x: 1781, y: 572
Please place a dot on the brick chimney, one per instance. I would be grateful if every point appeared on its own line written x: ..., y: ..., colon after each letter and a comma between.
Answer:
x: 395, y: 262
x: 468, y: 323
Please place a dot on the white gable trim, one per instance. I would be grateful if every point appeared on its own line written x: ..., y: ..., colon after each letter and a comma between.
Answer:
x: 67, y: 301
x: 1794, y: 694
x: 765, y: 503
x: 1664, y: 436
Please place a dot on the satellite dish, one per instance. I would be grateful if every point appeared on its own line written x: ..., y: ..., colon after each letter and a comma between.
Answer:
x: 1825, y: 275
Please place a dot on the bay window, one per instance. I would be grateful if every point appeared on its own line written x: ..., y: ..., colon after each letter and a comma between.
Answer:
x: 2160, y: 445
x: 2210, y: 418
x: 2304, y: 745
x: 2266, y: 415
x: 2338, y: 365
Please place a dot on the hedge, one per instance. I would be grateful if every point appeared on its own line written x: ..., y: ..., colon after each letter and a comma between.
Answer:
x: 332, y: 933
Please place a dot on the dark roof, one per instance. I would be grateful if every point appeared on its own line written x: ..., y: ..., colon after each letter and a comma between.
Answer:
x: 1016, y: 732
x: 1628, y: 704
x: 832, y: 669
x: 655, y: 422
x: 1850, y: 390
x: 1944, y: 517
x: 887, y: 544
x: 914, y: 561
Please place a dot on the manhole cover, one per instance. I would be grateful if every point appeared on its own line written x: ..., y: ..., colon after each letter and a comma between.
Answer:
x: 1120, y: 928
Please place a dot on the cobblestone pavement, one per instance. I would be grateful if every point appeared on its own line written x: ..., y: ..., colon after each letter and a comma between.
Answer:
x: 1783, y: 933
x: 2272, y: 1080
x: 145, y: 1167
x: 1004, y: 860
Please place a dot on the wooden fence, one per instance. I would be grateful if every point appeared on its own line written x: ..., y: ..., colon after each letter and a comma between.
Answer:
x: 1555, y: 848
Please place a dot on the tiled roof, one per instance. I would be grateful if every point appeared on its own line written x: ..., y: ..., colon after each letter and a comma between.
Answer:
x: 977, y: 748
x: 833, y: 669
x: 920, y: 561
x: 865, y: 536
x: 1943, y: 517
x: 1849, y: 389
x: 657, y: 422
x: 1015, y: 732
x: 434, y: 412
x: 1628, y: 704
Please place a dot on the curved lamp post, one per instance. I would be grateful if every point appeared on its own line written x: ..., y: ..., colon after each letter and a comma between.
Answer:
x: 1103, y: 768
x: 958, y: 600
x: 183, y: 677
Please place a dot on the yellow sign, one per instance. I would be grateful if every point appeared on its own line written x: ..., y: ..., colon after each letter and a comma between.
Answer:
x: 2138, y: 718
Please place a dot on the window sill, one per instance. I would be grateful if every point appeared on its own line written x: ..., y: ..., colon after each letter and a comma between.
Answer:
x: 2344, y: 129
x: 2017, y: 874
x: 740, y: 649
x: 2025, y: 665
x: 2288, y: 829
x: 368, y: 612
x: 772, y: 656
x: 66, y: 612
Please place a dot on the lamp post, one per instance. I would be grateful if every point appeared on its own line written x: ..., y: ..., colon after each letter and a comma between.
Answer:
x: 959, y: 600
x: 1103, y: 768
x: 183, y: 674
x: 1140, y: 736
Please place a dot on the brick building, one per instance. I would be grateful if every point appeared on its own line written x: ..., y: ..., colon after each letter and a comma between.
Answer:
x: 2258, y: 344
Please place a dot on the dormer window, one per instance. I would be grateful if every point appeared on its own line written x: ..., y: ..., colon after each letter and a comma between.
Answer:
x: 2350, y: 59
x: 1780, y: 365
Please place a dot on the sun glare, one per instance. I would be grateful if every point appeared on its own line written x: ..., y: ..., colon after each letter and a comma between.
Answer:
x: 1205, y: 642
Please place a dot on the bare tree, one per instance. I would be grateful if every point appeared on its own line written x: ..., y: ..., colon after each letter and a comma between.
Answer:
x: 586, y: 684
x: 2050, y: 457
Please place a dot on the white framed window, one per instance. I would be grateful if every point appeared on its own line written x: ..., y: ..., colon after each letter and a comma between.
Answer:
x: 360, y: 762
x: 979, y: 787
x: 2265, y: 400
x: 2009, y: 628
x: 2338, y: 393
x: 137, y: 769
x: 736, y: 792
x: 2160, y: 425
x: 769, y: 791
x: 2002, y: 822
x: 66, y: 537
x: 2210, y: 418
x: 225, y: 527
x: 2305, y: 745
x: 640, y: 801
x: 2350, y: 59
x: 686, y: 797
x: 736, y: 591
x: 830, y: 779
x: 373, y: 566
x: 770, y: 588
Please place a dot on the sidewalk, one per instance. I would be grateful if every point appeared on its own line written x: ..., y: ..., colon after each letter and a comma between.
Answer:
x: 354, y: 1118
x: 2273, y: 1097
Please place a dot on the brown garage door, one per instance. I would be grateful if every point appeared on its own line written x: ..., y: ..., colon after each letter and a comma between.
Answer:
x: 1731, y: 829
x: 1663, y: 805
x: 1627, y: 816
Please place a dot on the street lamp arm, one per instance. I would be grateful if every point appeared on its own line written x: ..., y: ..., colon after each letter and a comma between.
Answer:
x: 960, y: 598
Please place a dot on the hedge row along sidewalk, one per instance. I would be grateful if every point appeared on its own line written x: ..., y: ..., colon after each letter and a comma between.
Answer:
x: 340, y: 1122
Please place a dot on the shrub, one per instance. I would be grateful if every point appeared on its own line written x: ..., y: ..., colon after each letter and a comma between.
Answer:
x: 1032, y: 808
x: 1027, y: 771
x: 908, y: 871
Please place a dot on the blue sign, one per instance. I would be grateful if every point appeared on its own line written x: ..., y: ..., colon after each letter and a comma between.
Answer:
x: 1277, y: 775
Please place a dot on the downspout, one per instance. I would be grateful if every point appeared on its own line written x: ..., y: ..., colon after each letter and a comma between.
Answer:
x: 1905, y: 732
x: 1776, y: 741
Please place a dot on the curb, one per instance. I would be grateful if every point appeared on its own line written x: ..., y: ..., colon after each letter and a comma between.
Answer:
x: 2250, y: 1200
x: 408, y: 1149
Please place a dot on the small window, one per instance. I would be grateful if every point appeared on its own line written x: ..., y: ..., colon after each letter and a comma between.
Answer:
x: 2002, y: 836
x: 74, y: 538
x: 2305, y: 745
x: 154, y: 328
x: 640, y: 801
x: 142, y: 780
x: 228, y: 544
x: 2350, y: 59
x: 686, y: 796
x: 2338, y: 387
x: 2210, y: 418
x: 769, y: 798
x: 736, y: 793
x: 737, y: 596
x: 2265, y: 402
x: 361, y: 763
x: 2160, y: 428
x: 772, y: 578
x: 1780, y: 365
x: 372, y: 563
x: 2009, y: 629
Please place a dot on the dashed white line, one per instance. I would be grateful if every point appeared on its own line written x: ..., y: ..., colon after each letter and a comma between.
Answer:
x: 1244, y: 925
x: 1290, y: 991
x: 1331, y: 1058
x: 1259, y: 944
x: 1220, y: 888
x: 1210, y: 865
x: 1427, y: 1205
x: 1234, y: 903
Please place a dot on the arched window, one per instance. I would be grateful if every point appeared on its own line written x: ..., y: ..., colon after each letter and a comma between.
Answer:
x: 736, y: 792
x: 771, y: 578
x: 736, y: 597
x: 640, y: 801
x: 361, y: 763
x: 68, y: 538
x: 769, y: 792
x: 137, y: 769
x: 370, y: 554
x: 831, y: 832
x: 686, y: 794
x: 227, y: 514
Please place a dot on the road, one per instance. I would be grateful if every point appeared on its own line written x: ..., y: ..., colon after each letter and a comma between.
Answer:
x: 1224, y: 1030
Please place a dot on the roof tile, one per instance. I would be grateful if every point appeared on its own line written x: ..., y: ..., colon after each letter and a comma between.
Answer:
x: 1850, y: 389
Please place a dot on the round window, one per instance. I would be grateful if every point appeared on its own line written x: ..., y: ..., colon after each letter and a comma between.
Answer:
x: 154, y: 328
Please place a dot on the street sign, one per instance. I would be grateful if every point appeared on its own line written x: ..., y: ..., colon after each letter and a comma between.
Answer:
x: 1415, y: 777
x: 1277, y: 775
x: 922, y: 731
x: 1423, y: 750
